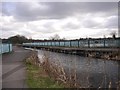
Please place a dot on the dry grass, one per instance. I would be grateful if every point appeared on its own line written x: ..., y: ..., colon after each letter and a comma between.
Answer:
x: 37, y: 77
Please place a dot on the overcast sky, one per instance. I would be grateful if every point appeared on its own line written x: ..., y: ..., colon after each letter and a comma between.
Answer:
x: 72, y: 20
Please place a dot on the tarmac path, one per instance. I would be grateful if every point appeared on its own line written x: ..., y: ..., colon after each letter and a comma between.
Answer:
x: 13, y: 68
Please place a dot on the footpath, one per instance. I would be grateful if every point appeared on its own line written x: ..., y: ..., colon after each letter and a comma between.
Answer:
x: 13, y: 68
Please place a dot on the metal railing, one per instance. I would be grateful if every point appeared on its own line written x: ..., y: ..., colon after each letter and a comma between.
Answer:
x: 89, y: 43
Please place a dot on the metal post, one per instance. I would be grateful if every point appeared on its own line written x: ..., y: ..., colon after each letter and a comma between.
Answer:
x: 51, y: 43
x: 9, y: 45
x: 64, y: 43
x: 70, y: 43
x: 104, y: 42
x: 54, y: 43
x: 88, y: 43
x: 59, y: 43
x: 47, y: 43
x: 43, y: 43
x: 78, y: 43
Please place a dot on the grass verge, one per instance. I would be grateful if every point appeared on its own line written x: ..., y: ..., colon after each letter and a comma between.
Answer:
x: 38, y: 78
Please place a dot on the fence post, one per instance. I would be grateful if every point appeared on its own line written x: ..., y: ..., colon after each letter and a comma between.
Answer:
x: 51, y: 43
x: 9, y: 45
x: 59, y: 43
x: 70, y: 43
x: 64, y: 43
x: 104, y: 42
x: 78, y: 43
x: 88, y: 43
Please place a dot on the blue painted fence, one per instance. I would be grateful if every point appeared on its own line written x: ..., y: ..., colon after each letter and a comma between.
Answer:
x: 5, y: 48
x: 104, y: 43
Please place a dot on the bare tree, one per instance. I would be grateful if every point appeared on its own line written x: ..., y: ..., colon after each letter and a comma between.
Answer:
x: 63, y: 38
x: 55, y: 37
x: 113, y: 34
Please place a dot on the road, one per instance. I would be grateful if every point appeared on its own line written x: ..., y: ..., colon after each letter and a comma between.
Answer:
x: 13, y: 68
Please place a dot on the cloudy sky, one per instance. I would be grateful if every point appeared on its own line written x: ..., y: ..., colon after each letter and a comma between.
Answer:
x: 71, y: 20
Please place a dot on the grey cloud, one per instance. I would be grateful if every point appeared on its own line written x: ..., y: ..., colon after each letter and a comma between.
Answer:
x: 7, y: 34
x: 29, y: 34
x: 71, y: 26
x: 90, y: 24
x: 7, y: 29
x: 4, y: 10
x: 7, y: 8
x: 101, y: 33
x: 112, y: 22
x: 48, y: 24
x: 47, y: 30
x: 26, y: 11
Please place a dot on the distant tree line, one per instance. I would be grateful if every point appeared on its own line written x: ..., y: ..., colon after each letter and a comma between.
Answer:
x: 19, y: 39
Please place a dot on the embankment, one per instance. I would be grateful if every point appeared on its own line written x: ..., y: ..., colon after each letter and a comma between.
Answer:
x: 37, y: 77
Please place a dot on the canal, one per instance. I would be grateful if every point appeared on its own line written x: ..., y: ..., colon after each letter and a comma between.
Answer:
x: 90, y: 72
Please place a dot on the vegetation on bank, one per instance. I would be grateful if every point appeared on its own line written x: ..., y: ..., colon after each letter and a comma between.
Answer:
x: 41, y: 73
x: 38, y: 78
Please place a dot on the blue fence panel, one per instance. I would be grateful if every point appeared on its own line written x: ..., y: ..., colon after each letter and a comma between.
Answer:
x: 37, y: 44
x: 41, y: 43
x: 110, y: 43
x: 67, y: 43
x: 61, y: 43
x: 74, y: 43
x: 118, y: 43
x: 57, y: 43
x: 83, y: 43
x: 96, y: 43
x: 4, y: 48
x: 45, y: 43
x: 53, y: 43
x: 49, y: 43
